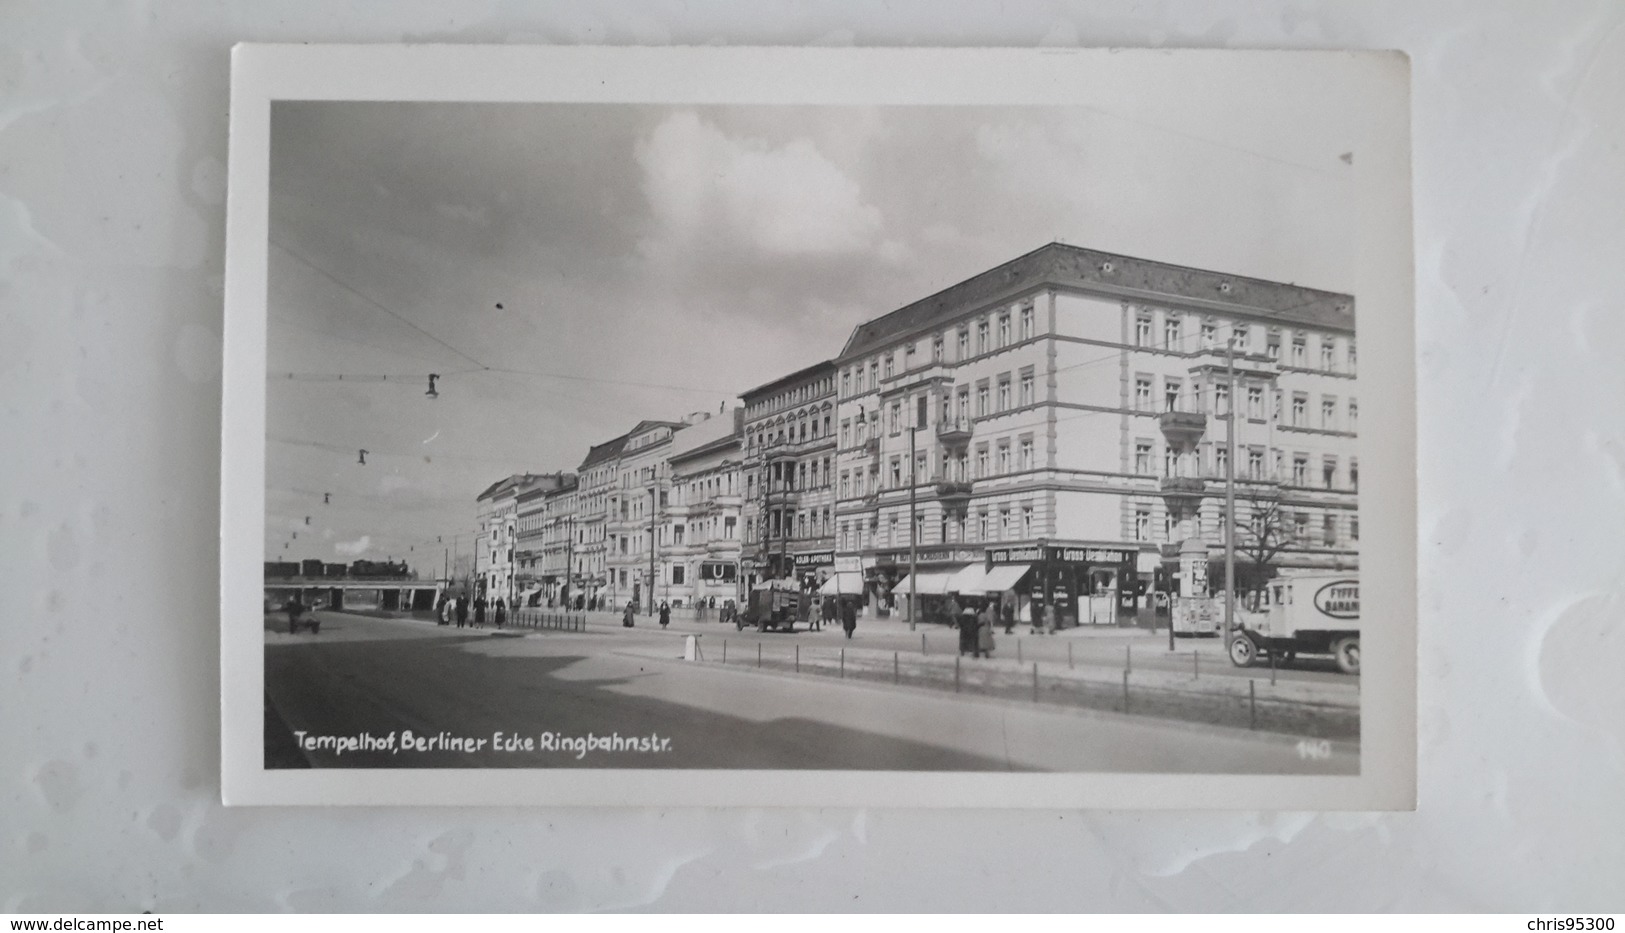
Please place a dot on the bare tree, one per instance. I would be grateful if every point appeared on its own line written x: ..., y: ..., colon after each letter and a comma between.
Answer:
x: 1267, y: 531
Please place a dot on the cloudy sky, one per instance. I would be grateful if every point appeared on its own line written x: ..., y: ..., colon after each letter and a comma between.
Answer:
x: 571, y: 269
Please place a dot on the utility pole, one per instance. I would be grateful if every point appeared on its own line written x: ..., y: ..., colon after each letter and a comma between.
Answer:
x: 569, y: 559
x: 654, y: 494
x: 1230, y: 493
x: 913, y: 527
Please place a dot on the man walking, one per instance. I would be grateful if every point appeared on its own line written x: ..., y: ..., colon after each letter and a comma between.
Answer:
x: 501, y: 611
x: 665, y: 614
x: 849, y: 617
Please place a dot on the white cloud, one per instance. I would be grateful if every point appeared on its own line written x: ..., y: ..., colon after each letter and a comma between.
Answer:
x: 353, y: 548
x: 705, y: 187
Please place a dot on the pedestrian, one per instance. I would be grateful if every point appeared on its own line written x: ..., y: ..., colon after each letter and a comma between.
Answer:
x: 1049, y: 618
x: 443, y: 617
x: 665, y: 614
x: 294, y: 608
x: 965, y: 620
x: 849, y: 617
x: 462, y: 611
x: 815, y: 616
x: 479, y: 612
x: 627, y: 614
x: 1007, y: 608
x: 984, y: 632
x: 501, y: 611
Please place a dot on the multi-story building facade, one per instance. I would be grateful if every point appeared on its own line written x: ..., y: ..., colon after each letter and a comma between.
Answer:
x: 498, y: 508
x: 641, y: 492
x: 790, y: 497
x: 703, y: 530
x: 1063, y: 414
x: 561, y: 568
x: 509, y: 511
x: 597, y: 478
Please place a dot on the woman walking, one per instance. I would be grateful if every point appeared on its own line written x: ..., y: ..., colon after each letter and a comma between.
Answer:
x: 501, y: 611
x: 626, y: 615
x: 984, y: 632
x: 665, y: 614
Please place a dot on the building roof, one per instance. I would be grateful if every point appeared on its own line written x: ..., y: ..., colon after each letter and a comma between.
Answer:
x: 1127, y: 276
x: 799, y: 376
x: 535, y: 486
x: 709, y: 436
x: 603, y: 453
x: 569, y: 484
x: 500, y: 486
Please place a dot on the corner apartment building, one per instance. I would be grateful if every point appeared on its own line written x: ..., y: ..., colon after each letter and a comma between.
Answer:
x: 597, y: 480
x: 790, y: 456
x: 703, y: 530
x: 503, y: 568
x: 641, y: 490
x: 1058, y: 415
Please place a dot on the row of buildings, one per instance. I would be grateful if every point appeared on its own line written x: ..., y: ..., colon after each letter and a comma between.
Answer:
x: 1056, y: 426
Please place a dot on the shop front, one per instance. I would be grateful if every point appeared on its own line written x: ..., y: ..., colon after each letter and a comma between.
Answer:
x: 936, y: 570
x: 1087, y: 584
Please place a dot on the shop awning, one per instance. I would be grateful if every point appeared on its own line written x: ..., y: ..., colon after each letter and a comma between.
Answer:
x: 928, y: 583
x: 1004, y: 576
x: 842, y: 583
x: 968, y: 580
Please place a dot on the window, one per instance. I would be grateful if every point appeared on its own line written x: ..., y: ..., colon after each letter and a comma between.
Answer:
x: 846, y: 431
x: 1354, y: 475
x: 1170, y: 394
x: 1004, y: 456
x: 1221, y: 459
x: 1298, y: 349
x: 1255, y: 463
x: 1142, y: 524
x: 896, y: 472
x: 1328, y: 412
x: 1170, y: 462
x: 1273, y: 345
x: 890, y: 365
x: 891, y: 531
x: 921, y: 405
x: 1221, y: 398
x: 730, y: 526
x: 1242, y: 335
x: 1328, y: 530
x: 981, y: 461
x: 896, y: 422
x: 846, y: 382
x: 1026, y: 453
x: 1142, y: 457
x: 981, y: 336
x: 1142, y: 330
x: 677, y: 534
x: 1328, y: 472
x: 1300, y: 403
x: 919, y: 467
x: 1142, y: 392
x: 1026, y: 521
x: 846, y: 484
x: 908, y: 357
x: 964, y: 343
x: 1354, y: 527
x: 1300, y: 470
x: 981, y: 399
x: 1354, y: 415
x: 963, y: 407
x: 1004, y: 392
x: 677, y: 573
x: 1170, y: 331
x: 1004, y: 328
x: 1004, y: 524
x: 1027, y: 328
x: 1351, y: 369
x: 874, y: 374
x: 1209, y: 334
x: 1026, y: 388
x: 936, y: 349
x: 981, y: 525
x: 857, y: 483
x: 1326, y: 353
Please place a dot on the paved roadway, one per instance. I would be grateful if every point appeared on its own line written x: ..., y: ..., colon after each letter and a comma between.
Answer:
x: 380, y: 676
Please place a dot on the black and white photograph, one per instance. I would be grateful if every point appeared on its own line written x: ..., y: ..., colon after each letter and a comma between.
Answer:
x: 815, y: 438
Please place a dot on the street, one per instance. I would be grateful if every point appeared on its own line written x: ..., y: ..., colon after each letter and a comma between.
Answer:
x: 379, y: 676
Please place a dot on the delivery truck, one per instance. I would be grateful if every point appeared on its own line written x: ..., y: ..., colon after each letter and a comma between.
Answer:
x: 1308, y: 613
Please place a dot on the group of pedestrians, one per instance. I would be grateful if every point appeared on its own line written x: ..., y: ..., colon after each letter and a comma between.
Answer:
x: 456, y: 610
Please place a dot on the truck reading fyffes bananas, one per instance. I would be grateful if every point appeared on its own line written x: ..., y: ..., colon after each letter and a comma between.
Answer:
x: 1308, y: 613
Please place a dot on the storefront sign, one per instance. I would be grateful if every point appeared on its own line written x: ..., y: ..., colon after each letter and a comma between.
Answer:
x: 1091, y: 555
x: 815, y: 559
x: 931, y: 556
x: 1014, y: 555
x: 718, y: 571
x: 850, y: 563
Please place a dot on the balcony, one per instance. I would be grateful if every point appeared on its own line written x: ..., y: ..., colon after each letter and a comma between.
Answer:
x: 1183, y: 429
x: 954, y: 494
x: 954, y: 432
